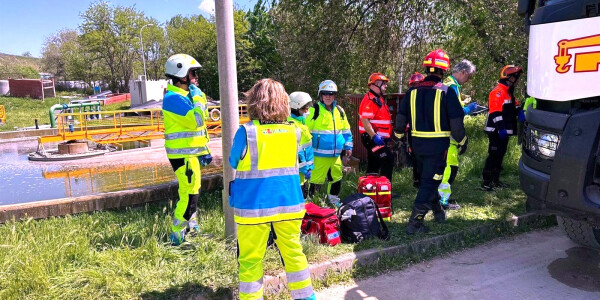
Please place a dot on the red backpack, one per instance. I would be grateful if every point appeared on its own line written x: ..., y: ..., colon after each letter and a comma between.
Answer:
x: 379, y: 188
x: 322, y: 222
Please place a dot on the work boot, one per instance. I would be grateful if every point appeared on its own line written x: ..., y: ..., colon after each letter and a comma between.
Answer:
x: 415, y: 223
x: 438, y: 211
x: 496, y: 180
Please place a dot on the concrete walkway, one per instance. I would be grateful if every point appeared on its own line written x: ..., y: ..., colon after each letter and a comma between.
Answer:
x: 536, y: 265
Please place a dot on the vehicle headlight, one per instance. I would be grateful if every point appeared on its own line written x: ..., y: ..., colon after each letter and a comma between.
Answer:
x: 547, y: 144
x: 542, y: 144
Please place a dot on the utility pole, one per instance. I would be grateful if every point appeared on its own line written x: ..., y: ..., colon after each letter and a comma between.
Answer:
x: 229, y: 99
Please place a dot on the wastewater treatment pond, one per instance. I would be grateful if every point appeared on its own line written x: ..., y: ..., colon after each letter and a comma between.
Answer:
x: 22, y: 180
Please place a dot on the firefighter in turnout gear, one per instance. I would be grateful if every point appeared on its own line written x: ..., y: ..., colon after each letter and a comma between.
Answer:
x: 375, y: 127
x: 266, y: 191
x: 412, y: 81
x: 434, y: 113
x: 300, y: 102
x: 501, y: 123
x: 461, y: 74
x: 186, y: 139
x: 331, y: 139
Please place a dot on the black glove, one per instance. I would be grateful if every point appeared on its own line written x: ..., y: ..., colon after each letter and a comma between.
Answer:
x: 462, y: 147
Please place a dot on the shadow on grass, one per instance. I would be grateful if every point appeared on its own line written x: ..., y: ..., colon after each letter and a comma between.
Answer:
x: 189, y: 290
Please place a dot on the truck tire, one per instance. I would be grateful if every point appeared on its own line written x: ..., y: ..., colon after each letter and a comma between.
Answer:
x: 580, y: 232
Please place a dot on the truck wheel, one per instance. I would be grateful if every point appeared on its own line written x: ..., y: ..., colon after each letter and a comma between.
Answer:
x: 580, y: 232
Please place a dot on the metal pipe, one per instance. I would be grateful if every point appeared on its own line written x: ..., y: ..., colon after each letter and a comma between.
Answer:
x: 66, y: 106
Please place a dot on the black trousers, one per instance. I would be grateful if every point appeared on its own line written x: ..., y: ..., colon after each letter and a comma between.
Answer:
x: 431, y: 169
x: 380, y: 161
x: 493, y: 163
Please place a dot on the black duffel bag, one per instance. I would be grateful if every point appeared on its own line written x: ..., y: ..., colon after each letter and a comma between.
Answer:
x: 360, y: 219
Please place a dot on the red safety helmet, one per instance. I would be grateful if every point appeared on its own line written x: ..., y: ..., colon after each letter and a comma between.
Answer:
x: 510, y: 70
x: 377, y: 76
x: 415, y: 78
x: 437, y: 59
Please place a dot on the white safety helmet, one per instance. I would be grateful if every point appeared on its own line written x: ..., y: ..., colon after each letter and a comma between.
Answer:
x: 178, y: 65
x: 299, y: 99
x: 328, y: 86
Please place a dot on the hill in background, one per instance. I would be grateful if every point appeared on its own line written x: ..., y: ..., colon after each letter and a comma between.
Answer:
x: 15, y: 66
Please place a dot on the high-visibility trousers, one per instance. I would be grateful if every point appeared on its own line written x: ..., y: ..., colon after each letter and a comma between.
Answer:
x: 445, y: 189
x: 188, y: 175
x: 326, y: 168
x: 252, y: 244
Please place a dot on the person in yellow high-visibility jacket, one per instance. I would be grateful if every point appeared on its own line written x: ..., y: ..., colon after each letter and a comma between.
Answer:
x: 266, y: 191
x: 332, y: 141
x: 186, y: 139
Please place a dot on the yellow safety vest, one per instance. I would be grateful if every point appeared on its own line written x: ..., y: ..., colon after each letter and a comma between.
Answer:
x: 270, y: 164
x: 185, y: 128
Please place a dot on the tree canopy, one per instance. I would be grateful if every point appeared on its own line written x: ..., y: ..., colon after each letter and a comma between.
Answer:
x: 299, y: 42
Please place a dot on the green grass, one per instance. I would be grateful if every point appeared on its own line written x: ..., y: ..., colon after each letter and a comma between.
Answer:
x: 22, y: 112
x: 125, y: 254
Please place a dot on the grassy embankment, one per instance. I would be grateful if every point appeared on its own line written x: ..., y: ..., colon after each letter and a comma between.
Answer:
x: 125, y: 254
x: 22, y: 112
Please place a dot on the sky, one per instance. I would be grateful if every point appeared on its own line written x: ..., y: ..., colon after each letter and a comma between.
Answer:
x: 25, y: 25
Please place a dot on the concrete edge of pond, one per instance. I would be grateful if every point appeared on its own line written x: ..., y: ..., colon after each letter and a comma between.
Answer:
x: 111, y: 200
x: 33, y: 133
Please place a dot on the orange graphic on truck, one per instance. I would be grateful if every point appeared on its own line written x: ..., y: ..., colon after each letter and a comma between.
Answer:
x: 584, y: 62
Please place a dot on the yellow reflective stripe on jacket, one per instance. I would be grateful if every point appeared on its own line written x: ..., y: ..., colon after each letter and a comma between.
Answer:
x: 436, y: 111
x: 429, y: 134
x: 413, y: 109
x: 436, y: 117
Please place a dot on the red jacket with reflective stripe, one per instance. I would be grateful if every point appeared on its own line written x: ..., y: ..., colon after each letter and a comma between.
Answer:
x: 376, y: 110
x: 503, y: 110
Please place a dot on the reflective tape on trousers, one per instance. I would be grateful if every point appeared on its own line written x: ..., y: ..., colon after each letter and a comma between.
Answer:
x: 303, y: 292
x: 297, y: 276
x: 251, y: 287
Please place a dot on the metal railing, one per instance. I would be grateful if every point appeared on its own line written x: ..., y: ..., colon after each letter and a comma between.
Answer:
x: 2, y: 114
x: 112, y: 127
